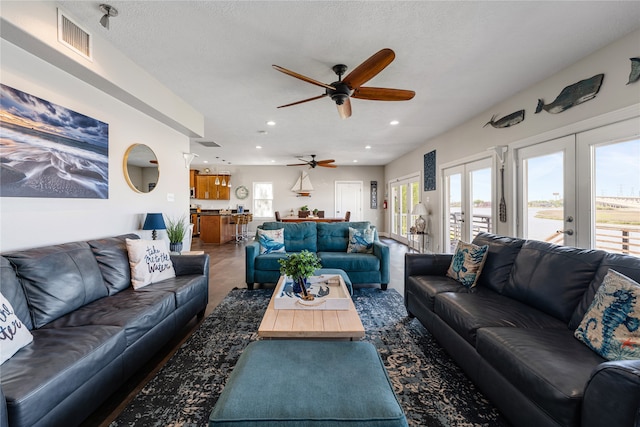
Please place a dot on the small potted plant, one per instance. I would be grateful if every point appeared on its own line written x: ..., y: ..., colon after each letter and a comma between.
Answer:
x: 176, y: 230
x: 303, y: 212
x: 315, y: 212
x: 300, y: 266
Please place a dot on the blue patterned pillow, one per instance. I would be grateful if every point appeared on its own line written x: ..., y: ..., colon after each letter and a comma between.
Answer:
x: 360, y: 241
x: 611, y: 325
x: 467, y: 263
x: 271, y: 240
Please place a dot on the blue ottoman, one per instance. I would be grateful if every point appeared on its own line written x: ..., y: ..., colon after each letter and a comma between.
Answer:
x: 338, y: 272
x: 308, y: 383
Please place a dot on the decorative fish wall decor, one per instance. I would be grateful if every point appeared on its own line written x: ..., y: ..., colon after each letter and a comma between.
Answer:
x: 506, y: 121
x: 634, y: 76
x: 572, y: 95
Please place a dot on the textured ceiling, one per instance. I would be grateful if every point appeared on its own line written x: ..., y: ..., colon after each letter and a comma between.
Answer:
x: 459, y: 57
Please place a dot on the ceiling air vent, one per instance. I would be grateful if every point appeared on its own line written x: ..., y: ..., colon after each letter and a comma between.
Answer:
x: 73, y: 36
x: 209, y: 144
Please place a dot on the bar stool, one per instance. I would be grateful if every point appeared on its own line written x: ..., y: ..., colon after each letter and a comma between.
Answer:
x: 247, y: 219
x: 239, y: 221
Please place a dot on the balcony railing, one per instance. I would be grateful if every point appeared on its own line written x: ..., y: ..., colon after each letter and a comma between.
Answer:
x: 622, y: 239
x: 480, y: 223
x: 618, y: 238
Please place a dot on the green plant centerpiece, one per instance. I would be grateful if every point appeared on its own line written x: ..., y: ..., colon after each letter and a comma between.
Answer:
x: 300, y: 266
x: 303, y: 212
x: 176, y: 230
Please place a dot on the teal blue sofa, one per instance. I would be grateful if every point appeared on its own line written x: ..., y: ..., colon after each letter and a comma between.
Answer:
x: 329, y: 241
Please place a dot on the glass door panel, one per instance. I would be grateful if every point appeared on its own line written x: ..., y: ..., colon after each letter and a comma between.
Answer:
x: 453, y: 214
x: 395, y: 212
x: 609, y: 186
x: 481, y: 201
x: 547, y: 194
x: 617, y: 197
x: 404, y: 195
x: 468, y: 207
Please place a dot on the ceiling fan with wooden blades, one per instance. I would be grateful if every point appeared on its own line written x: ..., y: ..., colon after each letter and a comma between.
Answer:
x: 313, y: 162
x: 351, y: 86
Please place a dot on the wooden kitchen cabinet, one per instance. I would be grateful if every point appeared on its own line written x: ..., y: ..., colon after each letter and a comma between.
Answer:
x: 206, y: 187
x: 192, y: 177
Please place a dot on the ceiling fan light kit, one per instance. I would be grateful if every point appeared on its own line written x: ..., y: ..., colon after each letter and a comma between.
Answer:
x: 342, y: 90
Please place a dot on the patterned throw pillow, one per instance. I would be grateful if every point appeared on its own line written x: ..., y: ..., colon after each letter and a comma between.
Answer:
x: 15, y: 334
x: 360, y: 241
x: 149, y: 261
x: 467, y: 263
x: 271, y: 241
x: 611, y: 325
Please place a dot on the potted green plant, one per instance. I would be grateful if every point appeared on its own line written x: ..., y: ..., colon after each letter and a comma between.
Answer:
x: 315, y: 212
x: 176, y: 230
x: 300, y: 266
x: 303, y: 212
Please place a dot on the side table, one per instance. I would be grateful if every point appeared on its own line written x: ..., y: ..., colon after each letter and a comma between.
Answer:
x: 418, y: 241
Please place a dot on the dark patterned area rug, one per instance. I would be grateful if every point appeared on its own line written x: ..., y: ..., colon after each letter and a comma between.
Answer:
x: 432, y: 390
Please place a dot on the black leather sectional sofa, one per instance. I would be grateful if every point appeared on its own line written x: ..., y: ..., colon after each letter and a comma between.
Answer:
x: 513, y: 333
x: 91, y: 330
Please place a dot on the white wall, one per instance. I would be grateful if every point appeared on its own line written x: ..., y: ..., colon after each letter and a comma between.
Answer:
x: 283, y: 178
x: 471, y: 138
x: 32, y: 25
x: 31, y: 222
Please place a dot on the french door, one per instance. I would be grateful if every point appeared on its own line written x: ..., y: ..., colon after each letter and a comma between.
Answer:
x: 468, y: 201
x: 546, y: 200
x: 583, y: 190
x: 405, y: 194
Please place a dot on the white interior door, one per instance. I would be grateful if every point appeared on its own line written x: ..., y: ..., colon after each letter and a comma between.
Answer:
x: 349, y: 199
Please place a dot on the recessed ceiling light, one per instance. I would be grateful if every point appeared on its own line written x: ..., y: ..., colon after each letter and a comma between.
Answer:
x: 271, y: 123
x: 273, y: 161
x: 258, y: 147
x: 368, y: 147
x: 394, y: 122
x: 206, y: 161
x: 355, y: 161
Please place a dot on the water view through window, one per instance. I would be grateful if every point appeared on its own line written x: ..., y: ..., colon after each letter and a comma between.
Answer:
x: 616, y: 200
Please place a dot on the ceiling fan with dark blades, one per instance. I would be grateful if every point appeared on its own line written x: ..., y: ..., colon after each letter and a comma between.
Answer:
x: 313, y: 162
x: 351, y: 86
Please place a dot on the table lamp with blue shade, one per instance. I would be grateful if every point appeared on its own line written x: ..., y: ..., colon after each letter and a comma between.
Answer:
x: 154, y: 221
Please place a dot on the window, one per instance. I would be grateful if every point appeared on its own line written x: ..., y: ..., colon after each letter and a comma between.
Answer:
x: 263, y: 199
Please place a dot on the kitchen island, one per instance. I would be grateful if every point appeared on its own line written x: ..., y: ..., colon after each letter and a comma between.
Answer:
x: 216, y: 227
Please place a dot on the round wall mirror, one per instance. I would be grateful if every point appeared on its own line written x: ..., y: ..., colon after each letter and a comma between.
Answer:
x: 141, y: 168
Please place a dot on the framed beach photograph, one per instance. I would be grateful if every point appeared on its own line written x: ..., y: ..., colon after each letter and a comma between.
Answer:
x: 49, y: 151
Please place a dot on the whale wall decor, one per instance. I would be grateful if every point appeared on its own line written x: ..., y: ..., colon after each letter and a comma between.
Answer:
x: 572, y: 95
x: 634, y: 75
x: 506, y: 121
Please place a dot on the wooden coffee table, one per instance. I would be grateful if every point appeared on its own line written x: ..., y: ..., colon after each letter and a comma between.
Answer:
x: 310, y: 323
